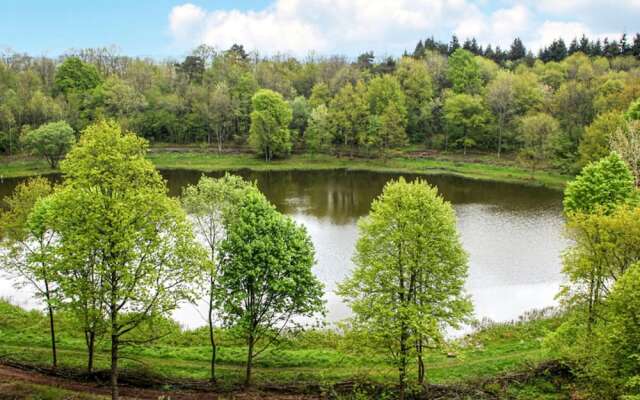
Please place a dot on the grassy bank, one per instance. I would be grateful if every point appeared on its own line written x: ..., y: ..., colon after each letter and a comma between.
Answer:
x: 309, y: 359
x: 474, y: 167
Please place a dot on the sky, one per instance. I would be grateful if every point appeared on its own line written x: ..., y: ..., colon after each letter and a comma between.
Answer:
x: 169, y: 28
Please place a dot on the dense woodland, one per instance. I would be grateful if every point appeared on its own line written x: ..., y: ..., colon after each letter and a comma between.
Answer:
x: 556, y: 109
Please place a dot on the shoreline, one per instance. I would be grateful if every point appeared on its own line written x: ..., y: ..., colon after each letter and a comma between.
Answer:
x: 18, y: 167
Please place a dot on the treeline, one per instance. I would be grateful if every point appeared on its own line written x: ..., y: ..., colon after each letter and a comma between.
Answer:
x: 558, y: 113
x: 557, y: 50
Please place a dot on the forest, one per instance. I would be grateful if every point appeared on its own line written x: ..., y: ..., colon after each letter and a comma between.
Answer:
x: 110, y: 255
x: 553, y: 110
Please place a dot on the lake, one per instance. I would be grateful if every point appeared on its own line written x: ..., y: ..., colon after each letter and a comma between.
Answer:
x: 513, y: 233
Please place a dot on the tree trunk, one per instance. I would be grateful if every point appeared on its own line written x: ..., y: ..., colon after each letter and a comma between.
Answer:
x: 91, y: 337
x: 250, y: 342
x: 114, y: 367
x: 211, y: 336
x: 421, y: 369
x: 52, y: 329
x: 499, y: 139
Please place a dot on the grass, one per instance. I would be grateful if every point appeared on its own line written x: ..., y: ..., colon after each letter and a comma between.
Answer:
x: 310, y: 358
x: 482, y: 167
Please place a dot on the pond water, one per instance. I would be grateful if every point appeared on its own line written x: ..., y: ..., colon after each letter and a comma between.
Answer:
x: 513, y: 233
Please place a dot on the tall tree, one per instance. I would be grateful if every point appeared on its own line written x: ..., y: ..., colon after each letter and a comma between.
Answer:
x: 74, y: 75
x: 537, y: 131
x: 270, y: 119
x: 265, y: 274
x: 466, y: 117
x: 114, y: 206
x: 501, y: 98
x: 410, y: 272
x: 28, y: 250
x: 210, y: 203
x: 464, y: 72
x: 417, y: 86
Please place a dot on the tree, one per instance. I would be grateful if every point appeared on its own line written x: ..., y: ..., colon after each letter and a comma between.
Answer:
x: 392, y: 132
x: 210, y: 204
x: 319, y: 132
x: 408, y: 284
x: 633, y: 112
x: 28, y: 250
x: 605, y: 184
x: 464, y: 72
x: 300, y: 111
x: 621, y: 340
x: 270, y: 119
x: 537, y: 130
x: 113, y: 212
x: 626, y: 142
x: 597, y: 137
x: 417, y: 87
x: 74, y: 75
x: 465, y: 115
x: 349, y: 113
x: 51, y: 141
x: 265, y: 274
x: 501, y: 99
x: 320, y: 94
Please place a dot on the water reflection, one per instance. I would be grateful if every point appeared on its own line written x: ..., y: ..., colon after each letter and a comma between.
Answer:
x: 511, y: 232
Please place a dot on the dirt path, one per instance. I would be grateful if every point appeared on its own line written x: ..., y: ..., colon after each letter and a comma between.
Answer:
x: 10, y: 374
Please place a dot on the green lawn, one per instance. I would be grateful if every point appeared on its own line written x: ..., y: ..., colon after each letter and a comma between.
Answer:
x: 310, y: 358
x: 483, y: 167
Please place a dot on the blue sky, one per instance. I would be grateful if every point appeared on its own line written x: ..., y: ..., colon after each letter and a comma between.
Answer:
x: 162, y: 28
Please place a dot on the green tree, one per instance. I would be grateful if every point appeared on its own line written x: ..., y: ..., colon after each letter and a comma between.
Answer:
x: 265, y: 274
x: 536, y: 131
x: 319, y: 133
x: 113, y: 213
x: 50, y: 141
x: 417, y: 86
x: 349, y: 113
x: 270, y: 119
x: 300, y: 111
x: 501, y: 99
x: 210, y: 203
x: 595, y: 142
x: 605, y: 184
x: 74, y: 75
x: 28, y: 250
x: 633, y: 112
x: 408, y: 284
x: 320, y: 94
x: 466, y: 117
x: 626, y: 142
x: 392, y: 132
x: 464, y: 72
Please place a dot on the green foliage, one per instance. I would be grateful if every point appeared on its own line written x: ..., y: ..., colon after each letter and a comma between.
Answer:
x: 74, y: 75
x: 125, y: 251
x: 597, y: 136
x: 50, y: 141
x: 410, y: 272
x: 319, y: 133
x: 604, y: 184
x: 464, y: 72
x: 270, y: 119
x: 466, y: 117
x: 265, y: 274
x: 633, y: 112
x: 537, y: 131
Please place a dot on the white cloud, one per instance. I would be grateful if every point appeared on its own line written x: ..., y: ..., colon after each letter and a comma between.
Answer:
x: 298, y: 26
x: 552, y: 30
x: 389, y: 27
